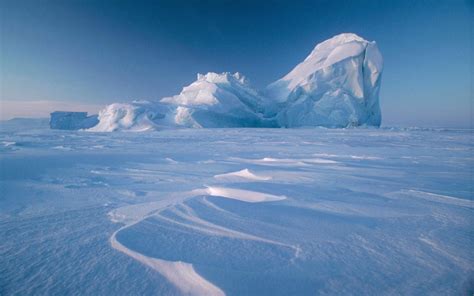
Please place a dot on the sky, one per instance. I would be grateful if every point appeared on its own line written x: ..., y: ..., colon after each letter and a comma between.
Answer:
x: 84, y: 54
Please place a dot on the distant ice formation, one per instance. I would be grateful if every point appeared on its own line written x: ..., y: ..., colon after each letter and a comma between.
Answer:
x: 337, y: 85
x: 72, y: 120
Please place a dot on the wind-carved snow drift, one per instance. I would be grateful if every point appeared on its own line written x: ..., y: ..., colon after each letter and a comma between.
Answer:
x: 337, y: 85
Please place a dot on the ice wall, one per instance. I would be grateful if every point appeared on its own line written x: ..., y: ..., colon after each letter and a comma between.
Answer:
x: 337, y: 85
x: 66, y: 120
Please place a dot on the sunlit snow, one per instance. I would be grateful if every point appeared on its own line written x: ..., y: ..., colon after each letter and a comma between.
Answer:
x: 235, y: 211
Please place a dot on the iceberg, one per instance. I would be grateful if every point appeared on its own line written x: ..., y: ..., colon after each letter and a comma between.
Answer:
x: 219, y: 100
x: 67, y: 120
x: 138, y: 116
x: 212, y: 101
x: 337, y: 85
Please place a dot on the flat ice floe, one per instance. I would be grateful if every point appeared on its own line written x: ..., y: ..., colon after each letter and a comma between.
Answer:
x: 292, y: 212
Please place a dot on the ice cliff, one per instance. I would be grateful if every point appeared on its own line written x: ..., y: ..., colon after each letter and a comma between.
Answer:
x: 337, y: 85
x: 72, y: 120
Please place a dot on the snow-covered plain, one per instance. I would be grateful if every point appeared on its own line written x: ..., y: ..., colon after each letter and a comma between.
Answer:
x: 236, y: 212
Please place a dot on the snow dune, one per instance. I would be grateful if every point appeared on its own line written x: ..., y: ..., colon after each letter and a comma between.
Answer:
x: 180, y: 274
x: 243, y: 174
x: 290, y: 162
x: 243, y: 195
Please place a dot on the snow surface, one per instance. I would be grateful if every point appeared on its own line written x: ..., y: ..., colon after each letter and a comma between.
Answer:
x: 337, y: 85
x: 236, y: 211
x: 245, y: 174
x: 243, y: 195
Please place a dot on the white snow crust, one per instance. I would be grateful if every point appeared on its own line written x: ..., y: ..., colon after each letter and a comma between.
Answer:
x: 196, y: 212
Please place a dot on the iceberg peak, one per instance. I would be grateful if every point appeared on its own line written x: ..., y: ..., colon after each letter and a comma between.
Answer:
x: 225, y: 77
x: 335, y: 41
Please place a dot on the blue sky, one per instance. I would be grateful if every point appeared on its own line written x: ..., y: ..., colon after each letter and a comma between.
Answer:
x: 85, y: 54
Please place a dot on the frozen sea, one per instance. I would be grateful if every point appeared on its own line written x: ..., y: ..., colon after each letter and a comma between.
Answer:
x: 236, y: 211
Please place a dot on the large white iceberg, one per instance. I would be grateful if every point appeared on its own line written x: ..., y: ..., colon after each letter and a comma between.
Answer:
x: 337, y: 85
